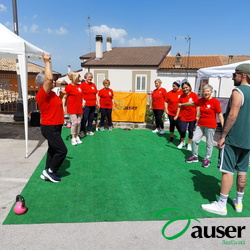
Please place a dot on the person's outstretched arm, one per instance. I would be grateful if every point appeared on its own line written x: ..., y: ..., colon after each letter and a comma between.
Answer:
x: 48, y: 76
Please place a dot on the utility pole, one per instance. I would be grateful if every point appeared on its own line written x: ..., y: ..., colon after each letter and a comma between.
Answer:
x: 188, y: 39
x: 18, y: 116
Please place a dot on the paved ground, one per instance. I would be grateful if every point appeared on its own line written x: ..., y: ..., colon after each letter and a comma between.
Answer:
x: 16, y: 170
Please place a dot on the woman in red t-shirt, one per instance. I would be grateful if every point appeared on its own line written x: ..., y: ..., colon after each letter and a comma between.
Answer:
x: 74, y: 105
x: 158, y: 105
x: 52, y: 119
x: 106, y: 100
x: 89, y: 95
x: 172, y: 101
x: 208, y: 107
x: 187, y: 114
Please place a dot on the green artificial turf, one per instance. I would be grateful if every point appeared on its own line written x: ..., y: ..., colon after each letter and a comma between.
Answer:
x: 123, y: 176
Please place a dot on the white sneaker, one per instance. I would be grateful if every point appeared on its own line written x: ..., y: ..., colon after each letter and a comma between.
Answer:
x: 237, y: 207
x: 214, y: 208
x: 102, y: 129
x: 110, y: 128
x: 78, y: 141
x: 43, y: 177
x: 162, y: 132
x: 90, y: 133
x: 73, y: 141
x: 181, y: 145
x: 155, y: 131
x: 189, y: 147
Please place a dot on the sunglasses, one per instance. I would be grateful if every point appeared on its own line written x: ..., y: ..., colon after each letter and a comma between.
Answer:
x: 234, y: 74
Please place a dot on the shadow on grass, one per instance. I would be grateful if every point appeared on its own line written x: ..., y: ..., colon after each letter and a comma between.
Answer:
x: 184, y: 151
x: 68, y: 137
x: 207, y: 185
x: 66, y: 164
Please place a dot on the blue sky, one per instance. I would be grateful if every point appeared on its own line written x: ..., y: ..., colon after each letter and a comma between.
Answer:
x: 60, y: 27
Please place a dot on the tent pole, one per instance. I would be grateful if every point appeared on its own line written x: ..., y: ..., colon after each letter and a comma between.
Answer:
x: 18, y: 116
x: 219, y: 87
x: 14, y: 6
x: 24, y: 87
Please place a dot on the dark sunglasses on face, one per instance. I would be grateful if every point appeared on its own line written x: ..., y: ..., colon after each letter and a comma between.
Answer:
x: 236, y: 73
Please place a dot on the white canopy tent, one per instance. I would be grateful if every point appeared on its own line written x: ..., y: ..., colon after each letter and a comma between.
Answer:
x: 14, y: 47
x: 224, y: 71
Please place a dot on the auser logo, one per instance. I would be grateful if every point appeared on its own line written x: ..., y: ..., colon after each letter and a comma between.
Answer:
x: 120, y: 105
x: 186, y: 217
x: 201, y: 232
x: 130, y: 108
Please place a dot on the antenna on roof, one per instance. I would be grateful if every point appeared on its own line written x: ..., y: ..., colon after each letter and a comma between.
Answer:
x: 89, y: 30
x: 188, y: 39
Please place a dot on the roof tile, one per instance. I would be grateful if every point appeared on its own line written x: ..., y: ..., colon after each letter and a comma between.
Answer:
x: 10, y: 65
x: 129, y: 56
x: 191, y: 62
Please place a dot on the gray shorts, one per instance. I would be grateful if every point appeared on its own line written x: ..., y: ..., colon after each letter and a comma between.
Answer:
x: 233, y: 159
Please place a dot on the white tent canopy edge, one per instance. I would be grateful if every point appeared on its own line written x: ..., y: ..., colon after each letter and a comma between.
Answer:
x: 224, y: 71
x: 14, y: 47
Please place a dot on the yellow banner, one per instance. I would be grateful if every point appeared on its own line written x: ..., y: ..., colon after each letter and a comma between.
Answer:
x: 129, y: 107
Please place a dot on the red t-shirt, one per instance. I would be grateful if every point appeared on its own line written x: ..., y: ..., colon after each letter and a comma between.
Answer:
x: 51, y: 108
x: 89, y: 93
x: 188, y: 113
x: 208, y: 110
x: 106, y: 96
x: 74, y: 99
x: 158, y: 98
x: 173, y: 100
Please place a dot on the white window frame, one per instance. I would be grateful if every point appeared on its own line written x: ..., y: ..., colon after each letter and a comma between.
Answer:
x: 100, y: 78
x: 140, y: 77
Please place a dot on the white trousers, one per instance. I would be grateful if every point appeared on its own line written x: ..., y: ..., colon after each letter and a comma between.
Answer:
x: 198, y: 134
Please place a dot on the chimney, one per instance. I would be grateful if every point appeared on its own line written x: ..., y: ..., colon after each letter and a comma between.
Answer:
x: 69, y: 68
x: 230, y: 59
x: 178, y: 60
x: 109, y: 43
x: 99, y: 52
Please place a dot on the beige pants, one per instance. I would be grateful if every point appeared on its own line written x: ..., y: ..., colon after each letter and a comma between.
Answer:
x: 75, y: 123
